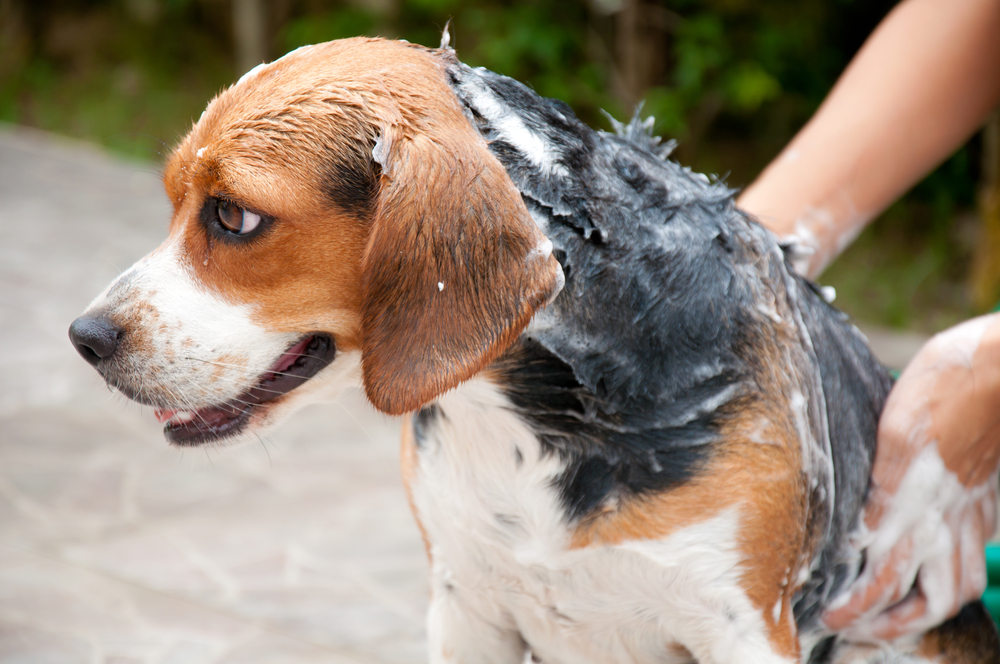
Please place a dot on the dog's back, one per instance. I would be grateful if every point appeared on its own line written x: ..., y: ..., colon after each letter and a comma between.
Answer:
x: 677, y: 315
x: 675, y: 305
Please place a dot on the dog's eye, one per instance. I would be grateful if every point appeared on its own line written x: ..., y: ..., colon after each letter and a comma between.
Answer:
x: 235, y: 219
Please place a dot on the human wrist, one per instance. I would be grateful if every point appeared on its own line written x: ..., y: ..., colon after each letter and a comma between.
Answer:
x: 814, y: 210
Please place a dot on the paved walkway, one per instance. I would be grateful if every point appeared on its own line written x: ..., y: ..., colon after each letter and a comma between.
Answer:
x: 116, y: 548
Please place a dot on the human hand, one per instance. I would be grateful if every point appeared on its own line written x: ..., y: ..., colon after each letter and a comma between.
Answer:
x: 932, y: 504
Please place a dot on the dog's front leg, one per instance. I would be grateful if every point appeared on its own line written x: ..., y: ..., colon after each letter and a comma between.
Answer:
x: 464, y: 627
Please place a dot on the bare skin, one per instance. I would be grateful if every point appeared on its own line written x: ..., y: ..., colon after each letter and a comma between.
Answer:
x: 948, y: 399
x: 925, y: 80
x: 922, y: 84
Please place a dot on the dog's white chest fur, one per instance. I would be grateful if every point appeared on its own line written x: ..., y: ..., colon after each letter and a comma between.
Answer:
x: 505, y: 578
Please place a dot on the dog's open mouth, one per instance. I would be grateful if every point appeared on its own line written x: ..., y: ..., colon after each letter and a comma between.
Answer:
x: 298, y: 364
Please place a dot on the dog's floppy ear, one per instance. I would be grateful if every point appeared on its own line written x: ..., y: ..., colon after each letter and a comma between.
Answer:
x: 454, y: 267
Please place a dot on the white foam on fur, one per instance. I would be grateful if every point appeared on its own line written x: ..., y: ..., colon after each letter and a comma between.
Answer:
x: 930, y: 498
x: 533, y: 146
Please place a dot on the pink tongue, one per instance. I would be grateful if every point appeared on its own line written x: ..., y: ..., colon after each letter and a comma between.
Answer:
x: 289, y: 358
x: 163, y: 415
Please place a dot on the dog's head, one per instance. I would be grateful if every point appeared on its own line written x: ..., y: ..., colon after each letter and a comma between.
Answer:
x: 331, y: 208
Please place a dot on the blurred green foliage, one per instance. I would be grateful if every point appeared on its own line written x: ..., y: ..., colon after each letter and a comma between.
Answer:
x: 732, y: 80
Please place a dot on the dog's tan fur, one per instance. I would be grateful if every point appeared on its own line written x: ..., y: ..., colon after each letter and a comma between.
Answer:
x: 372, y: 282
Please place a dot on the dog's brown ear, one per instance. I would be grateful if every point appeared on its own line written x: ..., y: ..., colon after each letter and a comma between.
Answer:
x: 454, y: 267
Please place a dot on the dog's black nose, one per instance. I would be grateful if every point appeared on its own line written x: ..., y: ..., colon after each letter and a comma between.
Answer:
x: 94, y: 337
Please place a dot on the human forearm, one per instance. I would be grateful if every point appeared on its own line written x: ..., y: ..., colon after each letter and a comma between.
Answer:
x: 922, y: 83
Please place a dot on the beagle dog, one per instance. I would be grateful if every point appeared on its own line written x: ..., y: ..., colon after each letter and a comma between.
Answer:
x: 632, y: 434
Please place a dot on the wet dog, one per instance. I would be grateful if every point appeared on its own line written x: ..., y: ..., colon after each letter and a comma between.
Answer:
x: 632, y: 433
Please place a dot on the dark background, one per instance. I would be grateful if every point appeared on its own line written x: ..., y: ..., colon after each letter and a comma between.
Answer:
x: 731, y: 80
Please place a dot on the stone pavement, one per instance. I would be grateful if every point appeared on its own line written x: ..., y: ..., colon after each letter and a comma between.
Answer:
x: 118, y: 549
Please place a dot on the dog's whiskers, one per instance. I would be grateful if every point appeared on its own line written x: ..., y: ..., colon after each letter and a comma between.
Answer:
x: 250, y: 370
x: 266, y: 451
x: 187, y: 406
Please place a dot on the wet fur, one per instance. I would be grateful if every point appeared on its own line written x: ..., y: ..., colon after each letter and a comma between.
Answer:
x: 665, y: 462
x: 659, y: 335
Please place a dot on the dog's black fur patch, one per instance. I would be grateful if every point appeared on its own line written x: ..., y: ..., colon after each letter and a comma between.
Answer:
x: 628, y: 374
x: 351, y: 182
x: 604, y: 451
x: 423, y: 421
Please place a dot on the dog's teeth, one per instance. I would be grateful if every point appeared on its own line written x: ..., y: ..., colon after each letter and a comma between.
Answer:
x: 181, y: 417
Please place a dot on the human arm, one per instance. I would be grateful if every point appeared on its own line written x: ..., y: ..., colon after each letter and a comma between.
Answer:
x: 923, y: 83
